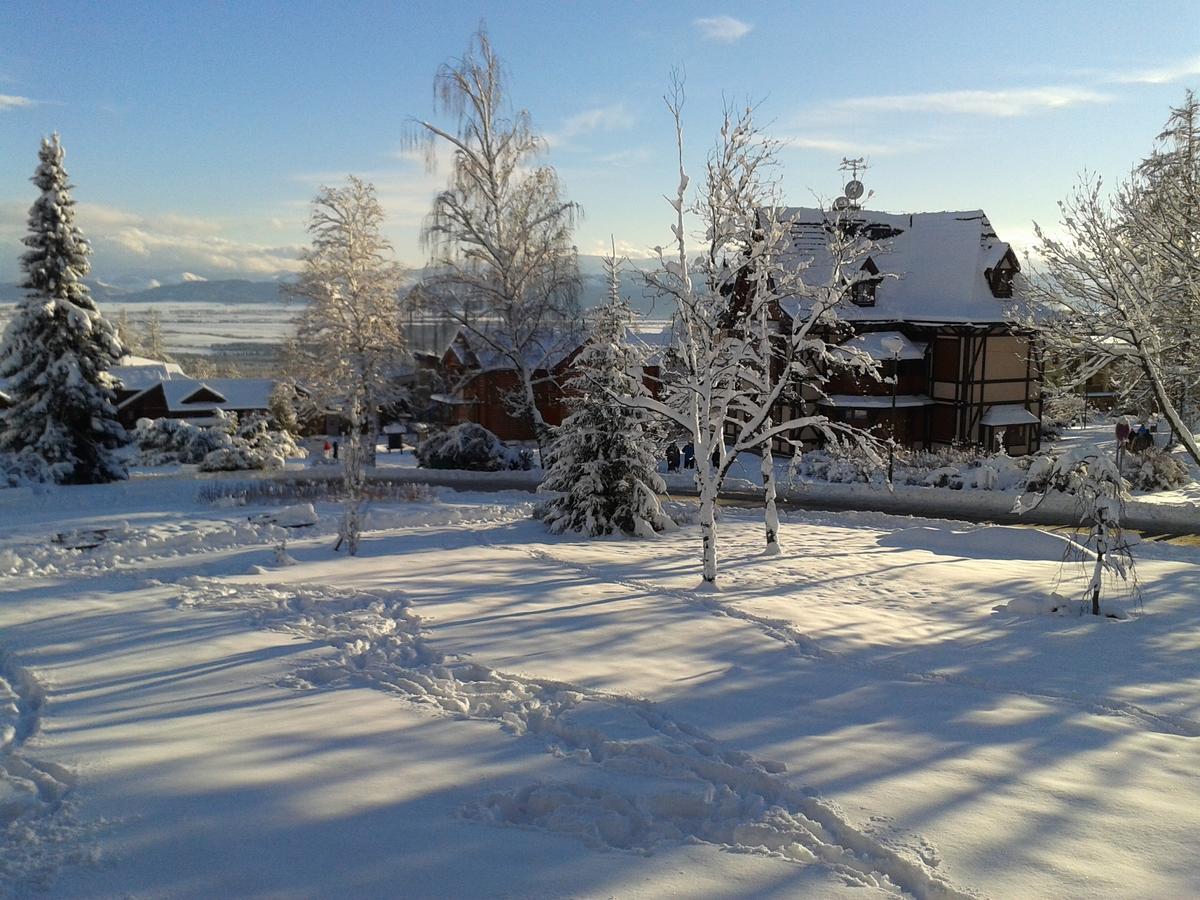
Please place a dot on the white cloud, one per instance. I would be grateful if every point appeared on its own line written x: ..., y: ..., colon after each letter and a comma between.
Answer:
x: 191, y: 276
x: 10, y: 101
x: 624, y: 249
x: 995, y: 103
x: 613, y: 117
x: 854, y: 147
x: 725, y: 29
x: 160, y: 245
x: 1160, y: 75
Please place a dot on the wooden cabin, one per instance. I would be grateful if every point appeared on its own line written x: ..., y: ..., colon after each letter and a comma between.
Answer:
x: 480, y: 380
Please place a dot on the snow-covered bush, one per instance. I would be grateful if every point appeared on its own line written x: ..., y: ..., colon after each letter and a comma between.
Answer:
x: 1154, y: 470
x: 956, y: 468
x: 470, y: 446
x: 223, y: 446
x: 23, y: 469
x: 164, y: 442
x: 252, y: 446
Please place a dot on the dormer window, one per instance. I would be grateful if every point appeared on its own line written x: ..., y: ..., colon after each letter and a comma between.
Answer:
x: 862, y: 291
x: 1000, y: 277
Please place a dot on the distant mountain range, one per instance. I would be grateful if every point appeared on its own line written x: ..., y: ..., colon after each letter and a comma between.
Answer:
x: 226, y: 292
x: 232, y: 292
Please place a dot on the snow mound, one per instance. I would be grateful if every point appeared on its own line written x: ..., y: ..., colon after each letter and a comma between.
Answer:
x: 984, y: 542
x: 1052, y: 605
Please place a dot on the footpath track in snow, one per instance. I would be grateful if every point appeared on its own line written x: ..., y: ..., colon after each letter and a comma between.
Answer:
x: 37, y: 824
x: 705, y: 792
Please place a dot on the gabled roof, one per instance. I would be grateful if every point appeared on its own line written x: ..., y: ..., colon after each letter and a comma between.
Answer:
x: 188, y: 395
x: 932, y: 264
x: 541, y: 350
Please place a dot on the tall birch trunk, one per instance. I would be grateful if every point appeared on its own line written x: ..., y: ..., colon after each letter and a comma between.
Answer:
x: 770, y: 513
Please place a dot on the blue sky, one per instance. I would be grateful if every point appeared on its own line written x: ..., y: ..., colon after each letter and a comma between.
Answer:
x: 197, y: 133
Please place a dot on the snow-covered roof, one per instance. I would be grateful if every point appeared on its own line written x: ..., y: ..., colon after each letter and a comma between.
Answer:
x: 450, y: 400
x: 653, y: 344
x: 540, y: 350
x: 932, y: 264
x: 874, y: 344
x: 875, y: 401
x: 1010, y: 414
x: 137, y: 373
x: 190, y: 395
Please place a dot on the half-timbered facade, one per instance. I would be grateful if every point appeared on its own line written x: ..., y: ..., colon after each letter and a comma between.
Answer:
x: 934, y: 312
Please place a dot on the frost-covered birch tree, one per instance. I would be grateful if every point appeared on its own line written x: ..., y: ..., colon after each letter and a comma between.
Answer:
x: 348, y: 343
x: 57, y: 348
x: 605, y: 464
x: 731, y: 361
x: 152, y: 337
x: 1162, y: 205
x: 1120, y: 287
x: 502, y: 263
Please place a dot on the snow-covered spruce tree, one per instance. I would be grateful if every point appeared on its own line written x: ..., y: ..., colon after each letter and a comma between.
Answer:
x: 348, y: 343
x: 605, y: 464
x: 721, y: 365
x: 58, y: 348
x: 1095, y: 479
x: 502, y: 264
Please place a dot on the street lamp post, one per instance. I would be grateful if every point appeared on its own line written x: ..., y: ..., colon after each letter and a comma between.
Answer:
x: 894, y: 345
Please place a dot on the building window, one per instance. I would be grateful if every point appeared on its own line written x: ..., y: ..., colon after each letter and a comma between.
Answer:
x: 1000, y: 278
x: 862, y: 293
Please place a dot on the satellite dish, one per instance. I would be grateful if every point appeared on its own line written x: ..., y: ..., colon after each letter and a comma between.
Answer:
x: 841, y: 203
x: 854, y: 189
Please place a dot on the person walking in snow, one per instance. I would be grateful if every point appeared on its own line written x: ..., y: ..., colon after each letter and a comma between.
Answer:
x: 689, y: 455
x: 328, y: 447
x: 672, y: 457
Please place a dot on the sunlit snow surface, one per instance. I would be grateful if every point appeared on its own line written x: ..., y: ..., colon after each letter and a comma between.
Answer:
x: 474, y: 708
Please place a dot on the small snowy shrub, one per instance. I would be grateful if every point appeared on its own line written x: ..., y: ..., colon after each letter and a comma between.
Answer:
x: 164, y: 442
x: 1154, y: 470
x: 222, y: 446
x: 23, y: 469
x: 470, y: 446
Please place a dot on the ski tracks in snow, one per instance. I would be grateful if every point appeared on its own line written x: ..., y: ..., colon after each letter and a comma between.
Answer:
x: 788, y: 633
x: 696, y: 789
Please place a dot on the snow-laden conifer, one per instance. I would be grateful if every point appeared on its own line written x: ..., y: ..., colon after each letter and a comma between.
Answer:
x: 58, y: 347
x: 604, y: 460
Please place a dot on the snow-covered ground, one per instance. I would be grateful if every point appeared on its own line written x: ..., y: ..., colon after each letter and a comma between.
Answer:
x: 475, y: 708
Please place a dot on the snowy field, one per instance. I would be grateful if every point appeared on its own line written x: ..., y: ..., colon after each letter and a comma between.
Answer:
x: 474, y: 708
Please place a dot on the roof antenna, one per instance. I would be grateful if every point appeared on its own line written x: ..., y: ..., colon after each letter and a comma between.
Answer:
x: 853, y: 189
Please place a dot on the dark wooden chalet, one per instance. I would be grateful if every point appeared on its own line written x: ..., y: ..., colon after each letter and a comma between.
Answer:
x: 935, y: 314
x: 188, y: 398
x: 480, y: 380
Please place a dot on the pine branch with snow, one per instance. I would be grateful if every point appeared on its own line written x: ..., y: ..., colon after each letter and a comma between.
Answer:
x: 58, y: 348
